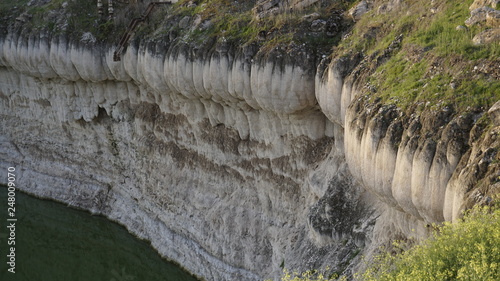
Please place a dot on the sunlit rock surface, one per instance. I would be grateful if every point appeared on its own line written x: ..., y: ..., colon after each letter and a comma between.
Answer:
x: 230, y: 166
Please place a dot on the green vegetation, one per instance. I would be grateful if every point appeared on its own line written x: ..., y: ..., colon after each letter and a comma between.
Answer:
x: 433, y: 64
x: 441, y: 35
x: 71, y: 17
x: 233, y: 22
x: 431, y: 30
x: 466, y: 250
x: 404, y: 82
x: 227, y: 21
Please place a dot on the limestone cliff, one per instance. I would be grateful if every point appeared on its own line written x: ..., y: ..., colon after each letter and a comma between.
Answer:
x: 228, y: 167
x: 234, y: 164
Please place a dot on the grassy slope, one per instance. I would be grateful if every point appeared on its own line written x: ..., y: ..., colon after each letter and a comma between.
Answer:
x: 435, y: 65
x: 233, y: 22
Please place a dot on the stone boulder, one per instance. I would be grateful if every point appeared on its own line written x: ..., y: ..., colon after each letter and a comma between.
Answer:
x: 487, y: 37
x: 478, y: 16
x: 495, y: 4
x: 494, y: 113
x: 264, y: 8
x: 359, y: 10
x: 301, y: 4
x: 493, y: 19
x: 389, y: 6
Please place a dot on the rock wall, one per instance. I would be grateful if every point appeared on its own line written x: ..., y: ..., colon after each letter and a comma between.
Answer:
x: 226, y: 165
x: 420, y: 165
x: 231, y: 165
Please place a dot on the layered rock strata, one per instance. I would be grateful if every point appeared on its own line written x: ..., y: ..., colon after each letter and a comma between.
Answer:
x: 232, y: 165
x: 225, y: 165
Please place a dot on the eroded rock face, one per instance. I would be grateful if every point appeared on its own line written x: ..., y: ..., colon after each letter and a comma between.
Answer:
x: 229, y: 164
x: 335, y: 89
x: 391, y: 148
x: 420, y: 166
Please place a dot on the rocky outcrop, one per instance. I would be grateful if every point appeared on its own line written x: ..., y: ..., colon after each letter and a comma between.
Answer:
x: 360, y: 9
x: 388, y: 6
x: 487, y: 37
x: 484, y: 3
x: 480, y: 15
x: 484, y: 13
x: 418, y: 165
x: 494, y: 112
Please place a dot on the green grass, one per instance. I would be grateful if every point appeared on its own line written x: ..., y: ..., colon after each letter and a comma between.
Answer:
x: 236, y: 24
x: 227, y: 21
x: 405, y: 82
x: 420, y: 26
x: 441, y: 34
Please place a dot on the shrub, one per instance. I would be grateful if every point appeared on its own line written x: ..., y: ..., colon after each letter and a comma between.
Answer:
x: 466, y: 250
